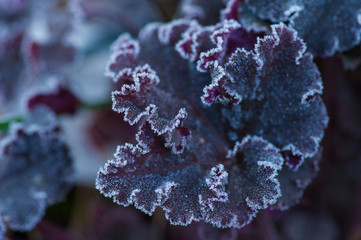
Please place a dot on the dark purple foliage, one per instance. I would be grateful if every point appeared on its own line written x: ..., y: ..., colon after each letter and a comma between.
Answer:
x: 218, y: 115
x: 36, y: 171
x: 188, y: 159
x: 326, y: 26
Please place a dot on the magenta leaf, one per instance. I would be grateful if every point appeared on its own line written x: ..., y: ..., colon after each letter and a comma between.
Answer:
x: 60, y: 99
x: 231, y: 10
x: 36, y: 171
x: 326, y: 26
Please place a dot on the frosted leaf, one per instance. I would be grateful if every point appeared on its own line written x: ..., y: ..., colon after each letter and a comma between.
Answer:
x: 176, y: 163
x: 231, y: 10
x: 276, y: 11
x: 163, y: 39
x: 187, y: 187
x: 326, y: 26
x: 227, y: 36
x: 252, y: 183
x: 281, y: 104
x: 124, y: 53
x: 149, y: 175
x: 180, y: 162
x: 35, y: 172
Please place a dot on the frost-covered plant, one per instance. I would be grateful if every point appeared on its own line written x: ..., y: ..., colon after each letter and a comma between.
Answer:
x: 36, y: 170
x: 218, y: 115
x: 219, y: 163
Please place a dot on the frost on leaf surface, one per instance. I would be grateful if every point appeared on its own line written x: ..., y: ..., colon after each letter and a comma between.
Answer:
x: 326, y: 26
x: 36, y: 171
x: 190, y: 188
x: 182, y: 160
x: 274, y: 91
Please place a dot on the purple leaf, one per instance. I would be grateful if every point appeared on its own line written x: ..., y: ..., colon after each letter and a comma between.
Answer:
x: 231, y: 10
x: 252, y: 184
x: 281, y: 104
x: 36, y: 171
x: 182, y: 161
x: 187, y: 187
x: 60, y: 100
